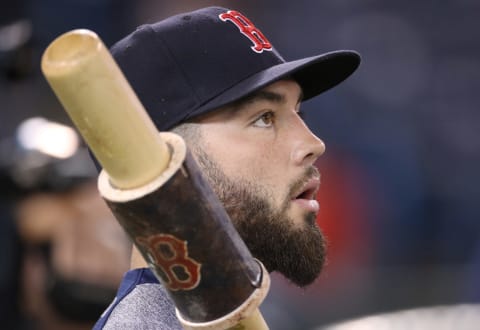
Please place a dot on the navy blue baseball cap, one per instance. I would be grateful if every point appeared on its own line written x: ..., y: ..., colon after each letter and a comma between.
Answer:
x: 196, y: 62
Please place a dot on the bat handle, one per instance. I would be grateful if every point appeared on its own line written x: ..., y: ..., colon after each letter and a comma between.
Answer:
x: 255, y: 322
x: 104, y: 108
x: 246, y: 317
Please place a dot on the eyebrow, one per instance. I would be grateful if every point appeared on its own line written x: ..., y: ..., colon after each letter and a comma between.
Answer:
x: 261, y: 95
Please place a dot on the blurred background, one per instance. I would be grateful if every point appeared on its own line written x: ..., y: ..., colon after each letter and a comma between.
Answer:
x: 400, y: 182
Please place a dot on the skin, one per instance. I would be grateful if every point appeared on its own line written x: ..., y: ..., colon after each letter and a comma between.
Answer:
x: 266, y: 161
x: 81, y: 233
x: 272, y: 147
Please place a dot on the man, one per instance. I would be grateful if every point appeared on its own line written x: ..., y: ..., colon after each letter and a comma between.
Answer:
x: 56, y: 233
x: 214, y: 78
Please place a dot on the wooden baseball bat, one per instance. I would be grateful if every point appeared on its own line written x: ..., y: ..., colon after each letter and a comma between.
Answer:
x: 157, y: 192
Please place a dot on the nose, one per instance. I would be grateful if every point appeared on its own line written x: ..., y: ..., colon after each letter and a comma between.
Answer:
x: 307, y: 147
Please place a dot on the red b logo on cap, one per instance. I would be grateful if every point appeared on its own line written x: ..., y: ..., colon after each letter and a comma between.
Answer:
x: 246, y: 27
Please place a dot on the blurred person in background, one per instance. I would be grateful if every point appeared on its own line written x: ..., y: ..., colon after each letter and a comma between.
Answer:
x: 70, y: 253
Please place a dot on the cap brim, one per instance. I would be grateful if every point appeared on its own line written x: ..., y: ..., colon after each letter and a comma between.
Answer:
x: 314, y: 74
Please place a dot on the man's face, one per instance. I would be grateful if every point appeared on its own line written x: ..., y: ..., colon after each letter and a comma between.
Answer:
x: 258, y: 156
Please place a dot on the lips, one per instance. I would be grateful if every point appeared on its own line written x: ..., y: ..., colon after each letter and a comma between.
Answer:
x: 308, y: 190
x: 306, y: 195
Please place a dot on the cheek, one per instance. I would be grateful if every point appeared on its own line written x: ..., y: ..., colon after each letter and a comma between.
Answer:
x: 260, y: 170
x: 254, y: 162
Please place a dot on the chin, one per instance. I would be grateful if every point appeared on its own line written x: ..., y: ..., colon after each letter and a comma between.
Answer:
x: 303, y: 219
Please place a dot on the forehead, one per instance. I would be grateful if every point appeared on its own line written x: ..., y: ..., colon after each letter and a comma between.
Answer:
x: 280, y: 92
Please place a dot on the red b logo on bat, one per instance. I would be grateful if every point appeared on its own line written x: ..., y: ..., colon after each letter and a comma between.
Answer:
x: 180, y: 272
x: 246, y: 27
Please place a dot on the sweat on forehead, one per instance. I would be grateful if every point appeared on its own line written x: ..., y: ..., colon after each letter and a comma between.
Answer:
x: 196, y: 62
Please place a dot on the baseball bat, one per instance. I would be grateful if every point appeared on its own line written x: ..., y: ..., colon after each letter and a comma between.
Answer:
x: 156, y: 191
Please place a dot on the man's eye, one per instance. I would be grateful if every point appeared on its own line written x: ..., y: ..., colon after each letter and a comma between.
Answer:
x: 265, y: 120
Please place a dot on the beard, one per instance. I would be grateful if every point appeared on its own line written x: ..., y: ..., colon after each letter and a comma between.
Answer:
x: 296, y: 251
